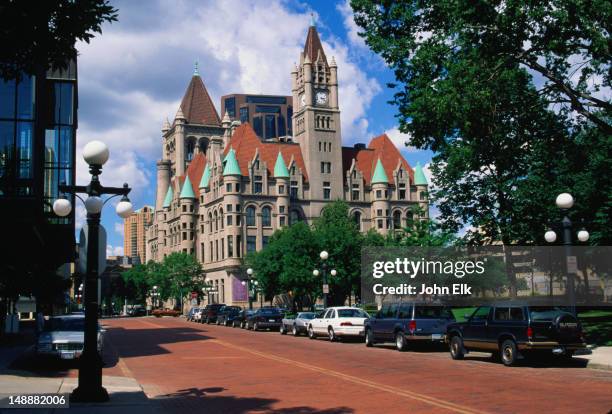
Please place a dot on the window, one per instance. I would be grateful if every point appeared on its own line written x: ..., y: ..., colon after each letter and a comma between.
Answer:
x: 402, y: 191
x: 405, y: 311
x: 281, y: 189
x: 357, y: 219
x: 397, y: 220
x: 380, y: 223
x: 237, y: 187
x: 258, y: 126
x: 502, y: 314
x: 516, y: 314
x: 294, y: 217
x: 250, y: 216
x: 281, y: 221
x: 222, y: 249
x: 228, y: 188
x: 326, y: 168
x: 229, y: 220
x: 294, y: 190
x: 270, y: 126
x: 378, y: 194
x: 230, y: 106
x: 251, y: 244
x: 244, y: 114
x: 265, y: 240
x: 257, y: 184
x: 423, y: 196
x: 216, y: 250
x: 326, y: 190
x: 481, y: 314
x: 379, y: 212
x: 230, y: 246
x: 266, y: 217
x: 228, y: 208
x: 281, y: 209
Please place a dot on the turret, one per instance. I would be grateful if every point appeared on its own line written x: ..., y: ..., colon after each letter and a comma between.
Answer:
x: 420, y: 182
x: 163, y: 183
x: 187, y: 200
x: 281, y: 175
x: 333, y: 84
x: 179, y: 139
x: 380, y: 198
x: 232, y: 177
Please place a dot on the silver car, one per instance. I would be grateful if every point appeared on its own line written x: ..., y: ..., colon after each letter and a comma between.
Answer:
x: 298, y: 324
x: 63, y: 337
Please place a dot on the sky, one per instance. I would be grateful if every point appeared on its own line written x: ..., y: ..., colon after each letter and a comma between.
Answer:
x: 134, y: 75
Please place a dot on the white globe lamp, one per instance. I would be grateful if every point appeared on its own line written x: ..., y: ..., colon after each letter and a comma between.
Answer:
x: 550, y: 236
x: 96, y: 153
x: 324, y: 255
x: 124, y: 209
x: 565, y: 201
x: 62, y: 207
x: 94, y: 205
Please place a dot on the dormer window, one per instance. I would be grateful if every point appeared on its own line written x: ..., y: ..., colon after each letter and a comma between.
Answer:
x: 257, y: 184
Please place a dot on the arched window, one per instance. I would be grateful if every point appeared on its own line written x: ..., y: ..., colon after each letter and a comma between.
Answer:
x: 250, y: 216
x: 221, y: 218
x: 203, y: 145
x: 357, y: 219
x: 216, y: 221
x: 190, y: 149
x: 294, y: 217
x: 266, y: 217
x: 210, y: 222
x: 397, y: 220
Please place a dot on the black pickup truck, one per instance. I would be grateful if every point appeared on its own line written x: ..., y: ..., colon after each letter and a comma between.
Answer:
x: 513, y: 331
x: 406, y: 322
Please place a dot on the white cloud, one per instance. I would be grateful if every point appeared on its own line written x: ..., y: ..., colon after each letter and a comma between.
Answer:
x: 352, y: 30
x: 114, y: 250
x: 119, y: 229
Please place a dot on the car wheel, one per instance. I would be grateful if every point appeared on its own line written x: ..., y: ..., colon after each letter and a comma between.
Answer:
x: 331, y: 334
x: 311, y: 333
x: 400, y: 341
x: 508, y: 352
x: 456, y: 347
x: 369, y: 338
x: 294, y: 331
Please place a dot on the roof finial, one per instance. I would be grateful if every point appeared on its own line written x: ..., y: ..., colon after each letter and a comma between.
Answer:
x: 195, y: 69
x: 312, y: 20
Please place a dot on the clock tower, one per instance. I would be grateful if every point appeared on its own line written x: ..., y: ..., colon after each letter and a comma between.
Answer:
x: 316, y: 121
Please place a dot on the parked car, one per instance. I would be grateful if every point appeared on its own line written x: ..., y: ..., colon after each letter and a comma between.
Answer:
x: 338, y: 322
x: 158, y: 313
x: 227, y: 314
x: 62, y: 337
x: 513, y: 331
x: 241, y: 318
x: 192, y: 312
x: 210, y: 312
x: 408, y: 322
x: 137, y: 311
x: 297, y: 324
x: 264, y: 318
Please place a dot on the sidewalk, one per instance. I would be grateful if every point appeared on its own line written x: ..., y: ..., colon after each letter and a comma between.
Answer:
x: 126, y: 395
x: 600, y: 358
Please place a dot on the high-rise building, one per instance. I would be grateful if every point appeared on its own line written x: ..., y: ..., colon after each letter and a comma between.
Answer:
x: 134, y: 234
x: 269, y: 115
x: 38, y: 122
x: 223, y: 189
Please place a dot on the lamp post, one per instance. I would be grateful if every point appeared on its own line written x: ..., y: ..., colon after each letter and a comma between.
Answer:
x: 247, y: 283
x: 96, y: 154
x: 324, y: 256
x: 565, y: 201
x: 155, y: 296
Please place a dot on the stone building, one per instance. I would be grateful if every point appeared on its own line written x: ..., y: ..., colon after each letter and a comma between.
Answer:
x: 222, y: 190
x: 134, y: 234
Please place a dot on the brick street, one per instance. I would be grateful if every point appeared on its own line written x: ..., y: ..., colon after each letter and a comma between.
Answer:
x: 187, y: 366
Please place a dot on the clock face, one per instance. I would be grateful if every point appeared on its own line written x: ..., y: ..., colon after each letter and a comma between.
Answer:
x: 303, y: 100
x: 321, y: 98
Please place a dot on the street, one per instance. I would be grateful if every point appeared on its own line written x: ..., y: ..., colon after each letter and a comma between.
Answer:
x: 186, y: 366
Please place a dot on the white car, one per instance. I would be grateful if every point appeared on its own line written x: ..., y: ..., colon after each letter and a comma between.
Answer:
x: 62, y: 337
x: 337, y: 322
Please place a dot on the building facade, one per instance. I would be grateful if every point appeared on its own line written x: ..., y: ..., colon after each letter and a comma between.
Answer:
x: 134, y: 234
x: 222, y: 190
x: 270, y: 116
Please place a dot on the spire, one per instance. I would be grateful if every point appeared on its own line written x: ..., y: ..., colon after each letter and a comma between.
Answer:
x: 333, y: 62
x: 226, y: 118
x: 313, y: 46
x: 313, y: 22
x: 166, y: 125
x: 419, y: 175
x: 168, y: 198
x: 231, y: 164
x: 380, y: 176
x: 205, y: 177
x: 187, y: 191
x: 197, y: 106
x: 179, y: 114
x: 195, y: 69
x: 280, y: 168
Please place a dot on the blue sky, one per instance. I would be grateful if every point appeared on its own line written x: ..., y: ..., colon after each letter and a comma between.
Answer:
x: 134, y: 75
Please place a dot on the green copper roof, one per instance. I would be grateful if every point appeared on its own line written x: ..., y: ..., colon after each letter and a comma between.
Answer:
x: 419, y: 176
x: 231, y: 164
x: 169, y: 197
x: 380, y: 176
x: 280, y: 169
x: 205, y: 177
x: 187, y: 191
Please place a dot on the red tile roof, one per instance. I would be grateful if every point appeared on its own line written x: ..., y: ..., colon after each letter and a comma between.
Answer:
x: 194, y: 171
x: 245, y: 142
x: 197, y: 106
x: 313, y: 45
x: 380, y: 147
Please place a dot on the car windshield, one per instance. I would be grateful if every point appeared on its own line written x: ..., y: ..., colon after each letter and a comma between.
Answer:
x: 65, y: 324
x: 269, y: 311
x: 544, y: 313
x: 432, y: 312
x: 306, y: 315
x: 352, y: 313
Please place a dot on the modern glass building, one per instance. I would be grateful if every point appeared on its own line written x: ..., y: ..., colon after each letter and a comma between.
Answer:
x: 270, y: 115
x: 38, y: 122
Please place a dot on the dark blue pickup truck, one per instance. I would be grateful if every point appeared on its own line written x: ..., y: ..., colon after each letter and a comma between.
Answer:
x: 512, y: 331
x: 406, y: 322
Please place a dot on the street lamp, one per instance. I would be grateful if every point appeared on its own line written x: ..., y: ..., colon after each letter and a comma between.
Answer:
x: 247, y: 283
x: 96, y: 154
x: 324, y: 255
x: 155, y: 296
x: 565, y: 201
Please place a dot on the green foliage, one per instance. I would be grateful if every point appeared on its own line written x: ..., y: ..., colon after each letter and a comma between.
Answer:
x: 502, y: 152
x: 40, y: 35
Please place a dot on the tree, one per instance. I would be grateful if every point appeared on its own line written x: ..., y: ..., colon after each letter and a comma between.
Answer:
x: 422, y: 232
x: 178, y: 274
x: 40, y: 35
x: 565, y: 43
x: 139, y: 282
